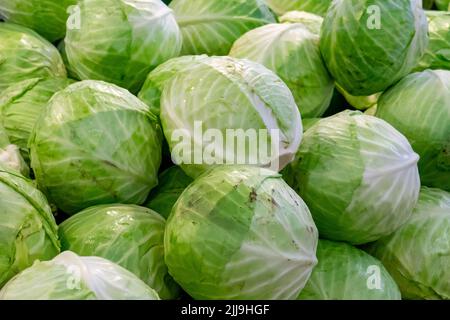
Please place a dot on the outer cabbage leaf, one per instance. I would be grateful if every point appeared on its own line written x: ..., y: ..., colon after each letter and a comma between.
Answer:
x: 151, y: 90
x: 418, y: 254
x: 419, y: 107
x: 358, y: 175
x: 28, y: 229
x: 71, y: 277
x: 359, y: 102
x: 225, y: 93
x: 121, y: 41
x: 22, y: 104
x: 347, y: 273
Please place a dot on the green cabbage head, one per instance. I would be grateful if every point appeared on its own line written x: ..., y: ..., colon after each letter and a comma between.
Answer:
x: 358, y: 176
x: 418, y: 254
x: 368, y: 45
x: 419, y: 107
x: 292, y: 52
x: 347, y: 273
x: 47, y: 17
x: 25, y: 55
x: 71, y: 277
x: 28, y: 230
x: 94, y: 144
x: 128, y: 235
x: 240, y: 233
x: 120, y: 41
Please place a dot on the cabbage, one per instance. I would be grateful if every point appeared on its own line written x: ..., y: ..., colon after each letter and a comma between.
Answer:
x: 418, y: 254
x: 25, y: 55
x: 21, y: 105
x: 223, y: 93
x: 121, y: 41
x: 292, y: 52
x: 240, y: 233
x: 95, y: 144
x: 172, y: 183
x: 437, y: 55
x: 10, y: 156
x: 70, y: 277
x: 358, y: 176
x: 28, y: 230
x: 211, y: 26
x: 128, y: 235
x: 47, y: 17
x: 280, y: 7
x: 347, y: 273
x: 309, y: 20
x: 366, y: 57
x: 419, y: 107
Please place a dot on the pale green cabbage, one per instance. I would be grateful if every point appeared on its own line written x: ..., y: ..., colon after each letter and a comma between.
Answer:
x: 121, y: 41
x: 419, y: 107
x: 71, y: 277
x: 240, y: 233
x: 223, y: 93
x: 418, y: 254
x: 10, y: 156
x: 311, y: 21
x: 358, y: 176
x: 280, y: 7
x: 211, y: 26
x: 95, y: 144
x: 22, y: 104
x: 437, y: 55
x: 28, y: 230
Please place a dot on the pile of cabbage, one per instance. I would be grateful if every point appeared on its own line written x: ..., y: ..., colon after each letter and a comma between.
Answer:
x: 116, y: 181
